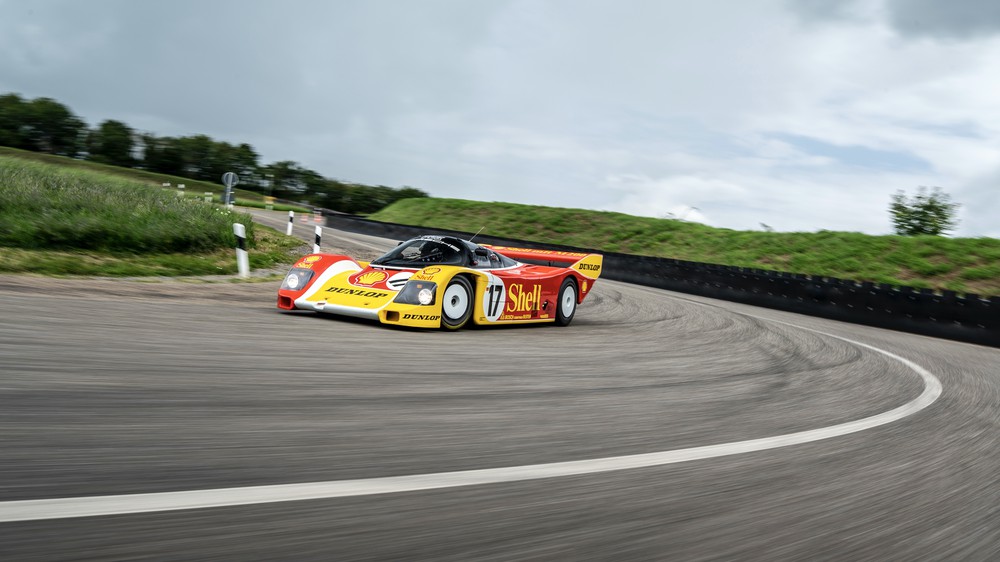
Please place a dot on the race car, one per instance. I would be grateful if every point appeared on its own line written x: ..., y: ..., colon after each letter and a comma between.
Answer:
x: 444, y: 282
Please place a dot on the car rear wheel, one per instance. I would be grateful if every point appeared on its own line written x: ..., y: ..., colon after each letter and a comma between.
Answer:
x: 566, y: 307
x: 456, y: 308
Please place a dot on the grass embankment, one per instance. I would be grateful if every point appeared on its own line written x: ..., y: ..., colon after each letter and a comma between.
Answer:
x: 56, y: 220
x: 194, y: 189
x: 958, y: 264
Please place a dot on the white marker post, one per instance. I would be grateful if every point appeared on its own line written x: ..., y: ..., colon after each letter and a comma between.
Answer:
x: 291, y: 222
x: 242, y: 258
x: 208, y: 196
x: 180, y: 190
x: 319, y: 238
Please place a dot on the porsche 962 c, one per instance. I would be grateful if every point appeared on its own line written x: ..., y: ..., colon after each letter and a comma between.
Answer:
x: 443, y: 281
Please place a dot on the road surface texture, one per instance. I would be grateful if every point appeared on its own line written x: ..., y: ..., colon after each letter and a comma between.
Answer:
x: 121, y: 388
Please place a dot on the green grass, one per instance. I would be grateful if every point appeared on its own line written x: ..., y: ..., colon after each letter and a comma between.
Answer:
x: 275, y: 207
x: 272, y: 249
x: 59, y: 220
x: 960, y: 264
x: 196, y: 188
x: 46, y: 207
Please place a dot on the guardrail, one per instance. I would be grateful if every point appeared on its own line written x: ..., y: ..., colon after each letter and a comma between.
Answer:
x: 963, y: 317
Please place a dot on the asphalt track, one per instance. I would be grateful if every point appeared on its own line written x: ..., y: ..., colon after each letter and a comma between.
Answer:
x: 120, y: 388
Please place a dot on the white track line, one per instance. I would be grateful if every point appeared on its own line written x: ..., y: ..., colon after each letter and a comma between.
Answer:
x: 61, y: 508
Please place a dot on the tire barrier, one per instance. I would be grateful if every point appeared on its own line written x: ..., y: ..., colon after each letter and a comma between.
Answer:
x: 963, y: 317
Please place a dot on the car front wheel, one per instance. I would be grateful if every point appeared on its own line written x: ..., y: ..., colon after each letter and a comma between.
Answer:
x: 456, y: 308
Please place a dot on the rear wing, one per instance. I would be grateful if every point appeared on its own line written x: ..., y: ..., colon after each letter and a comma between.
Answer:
x: 588, y: 265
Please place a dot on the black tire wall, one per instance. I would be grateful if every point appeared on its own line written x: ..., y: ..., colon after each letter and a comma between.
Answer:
x: 950, y: 315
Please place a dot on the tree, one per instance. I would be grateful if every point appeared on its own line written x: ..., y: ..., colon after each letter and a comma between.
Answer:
x: 53, y: 128
x: 288, y: 178
x: 111, y: 143
x: 45, y: 125
x: 243, y: 161
x: 199, y: 155
x: 360, y: 198
x: 161, y: 154
x: 14, y: 121
x: 925, y: 214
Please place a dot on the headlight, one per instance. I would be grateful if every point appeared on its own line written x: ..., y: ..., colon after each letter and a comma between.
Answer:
x: 417, y: 292
x: 425, y: 296
x: 297, y: 278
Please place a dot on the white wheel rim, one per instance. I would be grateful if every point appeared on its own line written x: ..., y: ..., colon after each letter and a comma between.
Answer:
x: 568, y: 301
x: 456, y: 302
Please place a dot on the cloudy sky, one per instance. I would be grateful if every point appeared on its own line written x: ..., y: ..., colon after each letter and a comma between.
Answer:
x: 798, y: 114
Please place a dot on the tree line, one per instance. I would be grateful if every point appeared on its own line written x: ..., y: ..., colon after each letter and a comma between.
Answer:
x: 45, y: 125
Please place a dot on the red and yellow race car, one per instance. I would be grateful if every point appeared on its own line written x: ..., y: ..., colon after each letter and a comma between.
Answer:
x: 443, y: 281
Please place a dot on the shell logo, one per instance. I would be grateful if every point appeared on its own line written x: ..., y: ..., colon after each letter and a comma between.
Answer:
x: 370, y: 278
x: 311, y: 259
x: 431, y: 270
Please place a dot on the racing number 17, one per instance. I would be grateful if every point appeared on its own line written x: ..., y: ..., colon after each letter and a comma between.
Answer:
x: 495, y: 293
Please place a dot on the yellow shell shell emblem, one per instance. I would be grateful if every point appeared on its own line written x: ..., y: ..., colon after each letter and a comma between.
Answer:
x: 371, y: 278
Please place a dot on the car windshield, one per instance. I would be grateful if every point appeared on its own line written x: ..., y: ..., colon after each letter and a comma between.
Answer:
x: 421, y: 251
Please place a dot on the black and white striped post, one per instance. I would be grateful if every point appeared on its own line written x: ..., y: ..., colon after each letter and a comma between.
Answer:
x: 242, y: 259
x: 319, y: 237
x: 291, y: 222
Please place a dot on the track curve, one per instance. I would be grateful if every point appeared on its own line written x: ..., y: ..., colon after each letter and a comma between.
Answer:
x: 124, y: 388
